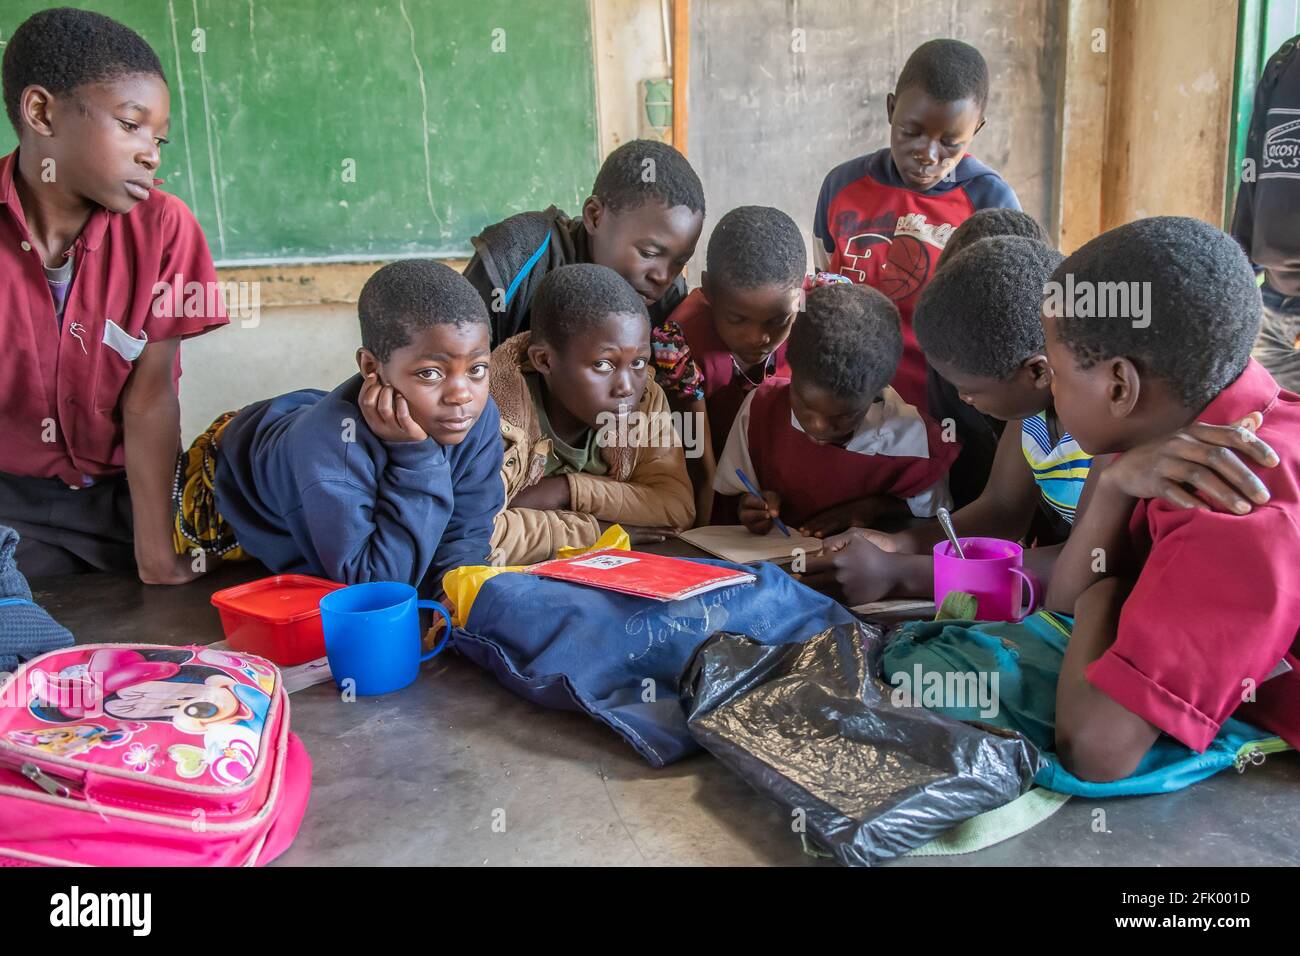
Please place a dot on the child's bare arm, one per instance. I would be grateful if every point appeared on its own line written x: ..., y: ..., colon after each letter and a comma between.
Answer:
x: 1003, y: 510
x: 1096, y: 737
x: 151, y: 428
x: 701, y: 464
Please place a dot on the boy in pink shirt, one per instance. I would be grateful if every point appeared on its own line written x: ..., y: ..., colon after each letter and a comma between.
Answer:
x: 91, y: 256
x: 1186, y: 595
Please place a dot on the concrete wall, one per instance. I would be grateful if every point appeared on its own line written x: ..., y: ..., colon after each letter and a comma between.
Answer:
x: 629, y: 48
x: 769, y: 116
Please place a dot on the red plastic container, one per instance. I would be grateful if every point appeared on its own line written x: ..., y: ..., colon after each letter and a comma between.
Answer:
x: 277, y: 617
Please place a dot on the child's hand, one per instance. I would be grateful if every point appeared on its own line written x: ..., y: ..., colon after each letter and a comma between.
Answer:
x: 756, y: 514
x: 170, y: 570
x: 1208, y: 458
x: 549, y: 494
x: 852, y: 514
x: 885, y: 542
x: 385, y: 411
x: 858, y: 570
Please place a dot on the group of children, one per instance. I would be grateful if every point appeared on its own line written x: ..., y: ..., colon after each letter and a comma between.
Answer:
x: 917, y: 369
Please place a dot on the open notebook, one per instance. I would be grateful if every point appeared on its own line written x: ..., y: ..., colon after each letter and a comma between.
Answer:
x: 734, y: 542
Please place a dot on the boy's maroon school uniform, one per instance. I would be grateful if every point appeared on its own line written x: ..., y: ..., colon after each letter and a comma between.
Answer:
x: 61, y: 379
x: 1216, y: 607
x: 724, y: 387
x: 897, y: 450
x: 871, y: 227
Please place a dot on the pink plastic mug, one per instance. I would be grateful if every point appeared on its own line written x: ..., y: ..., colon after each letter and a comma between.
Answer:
x: 991, y: 571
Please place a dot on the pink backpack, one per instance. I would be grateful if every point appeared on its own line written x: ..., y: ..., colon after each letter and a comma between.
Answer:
x: 142, y: 755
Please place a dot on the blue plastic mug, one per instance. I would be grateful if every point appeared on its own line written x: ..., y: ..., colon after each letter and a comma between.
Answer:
x: 372, y: 635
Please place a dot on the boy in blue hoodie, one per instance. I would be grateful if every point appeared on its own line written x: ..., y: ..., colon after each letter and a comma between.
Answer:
x: 393, y: 476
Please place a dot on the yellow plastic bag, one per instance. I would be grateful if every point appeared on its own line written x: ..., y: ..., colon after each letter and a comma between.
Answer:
x: 462, y: 584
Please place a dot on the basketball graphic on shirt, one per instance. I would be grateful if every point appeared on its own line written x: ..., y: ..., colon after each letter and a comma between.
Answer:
x: 905, y: 269
x: 898, y: 267
x: 863, y: 255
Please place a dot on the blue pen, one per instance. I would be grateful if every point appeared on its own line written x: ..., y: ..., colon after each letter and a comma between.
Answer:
x: 749, y: 486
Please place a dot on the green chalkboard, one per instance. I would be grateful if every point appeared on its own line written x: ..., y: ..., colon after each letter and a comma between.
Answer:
x: 451, y: 113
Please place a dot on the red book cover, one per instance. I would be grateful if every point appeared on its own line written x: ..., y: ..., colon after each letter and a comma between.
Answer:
x: 644, y: 575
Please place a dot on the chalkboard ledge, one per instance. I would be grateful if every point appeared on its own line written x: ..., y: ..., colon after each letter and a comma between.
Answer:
x: 326, y: 282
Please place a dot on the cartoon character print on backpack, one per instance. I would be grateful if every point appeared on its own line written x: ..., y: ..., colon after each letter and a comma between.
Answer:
x: 194, y: 694
x: 75, y: 739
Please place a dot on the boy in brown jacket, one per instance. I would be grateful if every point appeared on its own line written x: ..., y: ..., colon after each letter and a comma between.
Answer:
x: 588, y: 434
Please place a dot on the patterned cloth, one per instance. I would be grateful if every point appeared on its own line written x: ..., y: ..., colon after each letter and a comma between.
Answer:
x: 675, y: 371
x: 194, y: 504
x: 820, y: 279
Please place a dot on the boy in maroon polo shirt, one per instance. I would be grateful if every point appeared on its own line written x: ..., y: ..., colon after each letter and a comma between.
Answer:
x: 1186, y: 595
x: 89, y: 254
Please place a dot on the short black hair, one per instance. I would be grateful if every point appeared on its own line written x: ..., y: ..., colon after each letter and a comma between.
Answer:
x: 574, y: 299
x: 947, y: 70
x: 985, y: 223
x: 645, y: 170
x: 1202, y: 304
x: 754, y: 246
x: 980, y: 312
x: 410, y: 295
x: 848, y: 340
x: 64, y: 48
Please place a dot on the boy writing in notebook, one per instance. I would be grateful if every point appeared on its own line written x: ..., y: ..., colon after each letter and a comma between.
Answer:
x: 392, y: 476
x: 1194, y: 613
x: 834, y: 446
x: 882, y: 219
x: 89, y: 414
x: 587, y: 433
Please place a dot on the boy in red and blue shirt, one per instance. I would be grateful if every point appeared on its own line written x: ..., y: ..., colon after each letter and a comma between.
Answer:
x: 90, y: 252
x: 883, y: 219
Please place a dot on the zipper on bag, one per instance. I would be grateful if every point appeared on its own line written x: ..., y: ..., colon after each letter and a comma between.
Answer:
x: 1254, y: 753
x: 48, y: 783
x: 52, y: 782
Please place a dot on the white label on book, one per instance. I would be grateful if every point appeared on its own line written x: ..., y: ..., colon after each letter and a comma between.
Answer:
x: 604, y: 562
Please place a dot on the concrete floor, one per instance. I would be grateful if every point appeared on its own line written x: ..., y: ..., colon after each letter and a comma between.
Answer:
x: 456, y: 770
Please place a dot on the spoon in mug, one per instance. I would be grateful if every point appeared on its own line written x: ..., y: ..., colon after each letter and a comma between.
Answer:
x: 945, y: 522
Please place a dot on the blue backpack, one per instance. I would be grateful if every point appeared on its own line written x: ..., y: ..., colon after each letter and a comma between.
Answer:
x: 619, y: 658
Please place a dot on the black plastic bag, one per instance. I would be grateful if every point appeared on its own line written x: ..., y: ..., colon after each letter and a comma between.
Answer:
x: 811, y: 726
